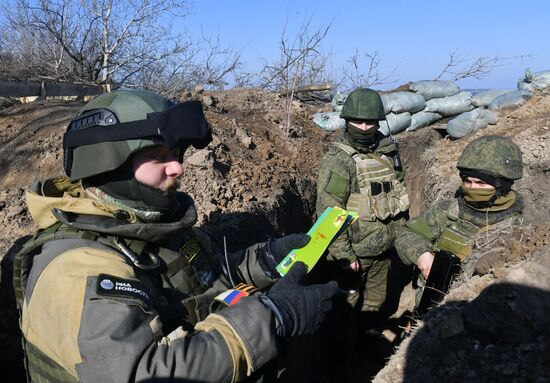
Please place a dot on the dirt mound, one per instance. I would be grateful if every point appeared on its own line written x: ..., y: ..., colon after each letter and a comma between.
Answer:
x: 489, y: 329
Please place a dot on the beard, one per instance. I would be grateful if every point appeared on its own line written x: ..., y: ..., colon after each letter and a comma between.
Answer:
x: 171, y: 184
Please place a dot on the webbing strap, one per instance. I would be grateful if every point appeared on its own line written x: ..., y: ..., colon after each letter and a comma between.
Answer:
x: 346, y: 148
x: 43, y: 369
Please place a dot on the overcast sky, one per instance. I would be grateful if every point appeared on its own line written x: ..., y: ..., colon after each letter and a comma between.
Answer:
x: 415, y: 37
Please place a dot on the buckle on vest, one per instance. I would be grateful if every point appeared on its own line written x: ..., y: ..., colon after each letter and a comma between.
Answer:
x: 134, y: 258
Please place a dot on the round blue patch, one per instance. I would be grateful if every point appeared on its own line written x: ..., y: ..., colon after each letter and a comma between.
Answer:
x: 107, y: 284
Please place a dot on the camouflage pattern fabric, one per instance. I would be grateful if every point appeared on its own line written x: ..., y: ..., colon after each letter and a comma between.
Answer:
x: 494, y: 155
x: 363, y: 104
x: 456, y: 213
x: 366, y: 241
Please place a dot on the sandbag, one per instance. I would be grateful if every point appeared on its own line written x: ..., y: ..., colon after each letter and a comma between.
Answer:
x: 423, y: 119
x: 510, y: 99
x: 450, y: 106
x: 397, y: 123
x: 470, y: 122
x: 534, y: 81
x: 486, y: 97
x: 337, y: 102
x: 434, y: 88
x: 399, y: 102
x: 329, y: 120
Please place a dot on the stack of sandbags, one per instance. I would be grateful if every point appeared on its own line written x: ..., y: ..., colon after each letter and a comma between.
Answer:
x: 534, y: 81
x: 329, y: 120
x: 486, y: 97
x: 451, y: 105
x: 332, y: 120
x: 423, y: 119
x: 469, y: 122
x: 395, y: 123
x: 434, y: 88
x: 442, y: 99
x: 506, y: 100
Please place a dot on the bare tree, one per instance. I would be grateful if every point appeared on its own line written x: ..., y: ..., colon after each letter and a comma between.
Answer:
x: 127, y: 42
x: 300, y: 62
x: 459, y: 66
x: 358, y: 75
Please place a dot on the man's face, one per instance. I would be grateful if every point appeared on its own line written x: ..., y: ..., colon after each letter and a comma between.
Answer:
x: 364, y: 124
x: 476, y: 183
x: 157, y: 167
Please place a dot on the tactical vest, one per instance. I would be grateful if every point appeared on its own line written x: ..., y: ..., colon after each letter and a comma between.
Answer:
x: 187, y: 272
x: 381, y: 195
x: 457, y: 237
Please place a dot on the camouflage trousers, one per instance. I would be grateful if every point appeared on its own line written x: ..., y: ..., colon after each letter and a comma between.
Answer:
x: 367, y: 289
x: 371, y: 294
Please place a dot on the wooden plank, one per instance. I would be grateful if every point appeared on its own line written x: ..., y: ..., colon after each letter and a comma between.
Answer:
x: 64, y: 89
x: 22, y: 89
x: 19, y: 89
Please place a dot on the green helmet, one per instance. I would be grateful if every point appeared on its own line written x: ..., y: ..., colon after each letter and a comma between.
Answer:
x: 493, y: 155
x: 113, y: 126
x: 363, y: 104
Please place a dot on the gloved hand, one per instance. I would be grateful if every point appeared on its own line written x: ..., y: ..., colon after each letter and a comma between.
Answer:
x: 275, y: 250
x: 299, y: 309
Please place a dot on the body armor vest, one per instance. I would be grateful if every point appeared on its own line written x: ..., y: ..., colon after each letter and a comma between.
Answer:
x: 457, y: 237
x: 186, y: 276
x: 381, y: 195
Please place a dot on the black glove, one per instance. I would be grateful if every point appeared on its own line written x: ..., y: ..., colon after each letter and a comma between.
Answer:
x: 299, y: 309
x: 275, y: 250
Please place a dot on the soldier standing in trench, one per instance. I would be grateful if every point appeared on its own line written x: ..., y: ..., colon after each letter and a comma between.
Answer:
x: 363, y: 172
x: 117, y: 285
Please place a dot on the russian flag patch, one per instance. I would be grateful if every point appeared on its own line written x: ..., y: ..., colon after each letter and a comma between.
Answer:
x: 232, y: 296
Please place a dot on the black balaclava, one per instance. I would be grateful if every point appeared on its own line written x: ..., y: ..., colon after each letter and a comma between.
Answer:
x: 363, y: 139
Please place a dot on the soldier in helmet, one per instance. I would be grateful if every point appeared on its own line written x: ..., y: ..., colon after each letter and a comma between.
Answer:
x: 363, y: 172
x: 483, y: 206
x: 117, y: 285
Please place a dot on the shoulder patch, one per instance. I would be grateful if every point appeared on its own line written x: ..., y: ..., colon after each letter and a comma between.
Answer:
x: 111, y: 286
x: 337, y: 185
x: 190, y: 249
x: 232, y: 296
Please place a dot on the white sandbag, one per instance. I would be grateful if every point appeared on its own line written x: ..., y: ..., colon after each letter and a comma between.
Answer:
x: 338, y: 101
x: 397, y: 123
x: 534, y: 81
x: 486, y: 97
x: 450, y: 106
x: 399, y: 102
x: 423, y: 119
x: 434, y: 88
x: 470, y: 122
x: 510, y: 99
x: 329, y: 120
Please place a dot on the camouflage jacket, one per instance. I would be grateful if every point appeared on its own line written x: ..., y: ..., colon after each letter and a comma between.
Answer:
x: 337, y: 179
x: 480, y: 229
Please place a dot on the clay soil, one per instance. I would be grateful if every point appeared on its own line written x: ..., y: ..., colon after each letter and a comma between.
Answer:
x: 257, y: 179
